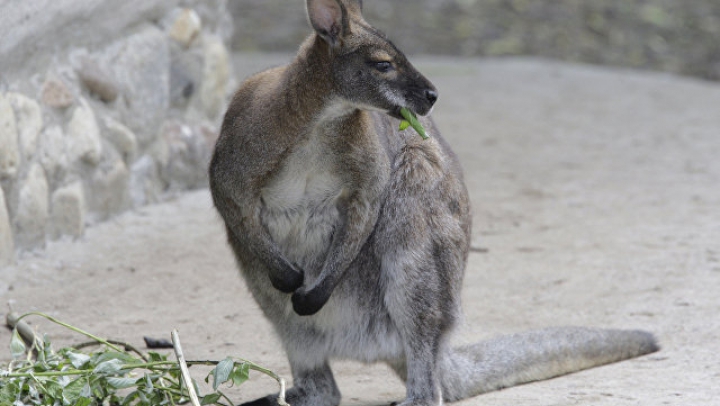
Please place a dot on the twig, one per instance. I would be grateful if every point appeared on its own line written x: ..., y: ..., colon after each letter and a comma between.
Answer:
x: 255, y: 367
x: 479, y: 250
x: 73, y: 328
x: 184, y: 369
x: 26, y: 332
x: 126, y: 346
x: 281, y: 396
x: 15, y: 321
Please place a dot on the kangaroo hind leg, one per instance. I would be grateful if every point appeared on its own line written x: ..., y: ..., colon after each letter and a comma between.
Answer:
x: 311, y: 387
x: 423, y: 310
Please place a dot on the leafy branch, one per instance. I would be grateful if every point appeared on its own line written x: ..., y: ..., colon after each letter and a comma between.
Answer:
x: 117, y: 374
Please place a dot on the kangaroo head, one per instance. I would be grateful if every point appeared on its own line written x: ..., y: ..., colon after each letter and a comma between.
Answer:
x: 367, y: 70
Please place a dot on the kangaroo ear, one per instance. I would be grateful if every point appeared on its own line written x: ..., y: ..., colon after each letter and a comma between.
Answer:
x: 327, y: 18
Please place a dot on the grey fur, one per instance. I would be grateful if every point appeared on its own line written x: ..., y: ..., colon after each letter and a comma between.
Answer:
x: 353, y: 236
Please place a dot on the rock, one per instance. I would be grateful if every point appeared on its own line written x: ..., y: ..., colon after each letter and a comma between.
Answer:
x: 141, y: 63
x: 122, y: 138
x: 9, y: 153
x: 145, y: 184
x: 7, y: 247
x: 33, y: 31
x: 84, y: 135
x: 32, y: 212
x: 97, y: 80
x: 67, y: 212
x: 216, y: 77
x: 216, y: 17
x: 29, y: 123
x: 160, y: 150
x: 52, y: 153
x: 182, y: 86
x: 55, y: 93
x: 188, y: 154
x: 186, y: 69
x: 210, y: 135
x: 186, y: 27
x: 109, y: 189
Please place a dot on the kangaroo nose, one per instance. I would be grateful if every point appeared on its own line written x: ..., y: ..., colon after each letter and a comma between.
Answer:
x: 431, y: 96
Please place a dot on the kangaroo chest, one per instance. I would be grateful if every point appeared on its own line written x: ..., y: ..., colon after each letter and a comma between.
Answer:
x: 300, y: 203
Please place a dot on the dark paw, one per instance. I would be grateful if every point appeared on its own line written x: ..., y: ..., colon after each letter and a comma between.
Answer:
x: 306, y: 303
x: 287, y: 281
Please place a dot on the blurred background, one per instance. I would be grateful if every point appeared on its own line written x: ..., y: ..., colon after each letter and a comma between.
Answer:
x: 679, y: 36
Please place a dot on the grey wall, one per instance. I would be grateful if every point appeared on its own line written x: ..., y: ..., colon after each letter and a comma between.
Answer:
x: 672, y: 35
x: 105, y: 105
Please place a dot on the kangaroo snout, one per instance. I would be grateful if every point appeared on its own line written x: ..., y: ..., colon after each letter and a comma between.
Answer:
x: 421, y: 95
x: 423, y: 101
x: 431, y: 95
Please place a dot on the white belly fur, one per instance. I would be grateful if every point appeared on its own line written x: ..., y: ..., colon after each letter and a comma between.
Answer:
x: 300, y: 212
x: 300, y: 205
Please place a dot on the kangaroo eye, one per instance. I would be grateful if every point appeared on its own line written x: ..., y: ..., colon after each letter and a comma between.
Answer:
x: 383, y: 66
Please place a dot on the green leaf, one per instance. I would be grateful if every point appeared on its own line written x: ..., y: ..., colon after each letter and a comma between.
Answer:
x: 130, y: 397
x: 108, y: 367
x: 78, y: 359
x: 404, y: 124
x: 156, y: 357
x: 47, y: 348
x: 39, y: 347
x: 121, y: 383
x: 75, y: 390
x: 53, y: 389
x: 98, y: 388
x: 17, y: 345
x: 149, y: 387
x: 412, y: 119
x: 83, y: 402
x: 31, y: 389
x: 222, y: 371
x: 210, y: 399
x: 240, y: 374
x: 143, y: 397
x: 122, y: 356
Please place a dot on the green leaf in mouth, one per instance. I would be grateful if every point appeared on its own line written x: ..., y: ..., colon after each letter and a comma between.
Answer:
x: 412, y: 121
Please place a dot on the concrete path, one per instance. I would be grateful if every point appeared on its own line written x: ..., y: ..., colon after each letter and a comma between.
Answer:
x: 596, y: 198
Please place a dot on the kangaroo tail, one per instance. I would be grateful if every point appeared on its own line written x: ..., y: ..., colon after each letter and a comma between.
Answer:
x: 520, y: 358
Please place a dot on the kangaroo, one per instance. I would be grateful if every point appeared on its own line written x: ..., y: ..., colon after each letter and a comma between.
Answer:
x: 353, y: 236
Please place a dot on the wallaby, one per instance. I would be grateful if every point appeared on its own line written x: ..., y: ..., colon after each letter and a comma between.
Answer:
x: 353, y: 235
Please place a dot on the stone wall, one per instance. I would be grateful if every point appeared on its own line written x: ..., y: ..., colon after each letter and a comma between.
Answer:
x: 677, y: 36
x: 105, y: 105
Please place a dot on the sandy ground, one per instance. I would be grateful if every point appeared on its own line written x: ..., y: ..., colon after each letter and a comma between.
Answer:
x: 596, y: 198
